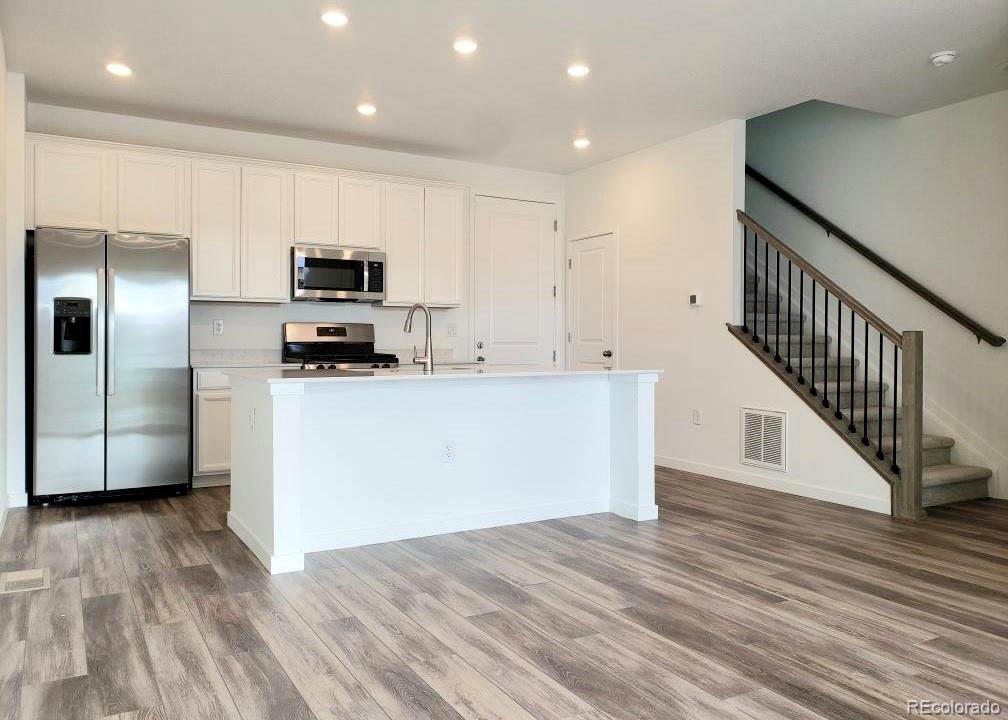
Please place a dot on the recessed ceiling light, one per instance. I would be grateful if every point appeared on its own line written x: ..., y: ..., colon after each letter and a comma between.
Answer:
x: 578, y: 70
x: 465, y: 46
x: 367, y: 109
x: 581, y: 143
x: 335, y: 18
x: 119, y: 69
x: 944, y: 57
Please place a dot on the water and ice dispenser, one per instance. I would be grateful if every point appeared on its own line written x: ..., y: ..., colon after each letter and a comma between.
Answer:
x: 71, y: 326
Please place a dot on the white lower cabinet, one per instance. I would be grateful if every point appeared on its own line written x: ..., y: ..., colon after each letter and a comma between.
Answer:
x: 211, y: 423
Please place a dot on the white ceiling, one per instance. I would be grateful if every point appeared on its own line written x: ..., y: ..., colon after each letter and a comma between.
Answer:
x: 660, y: 68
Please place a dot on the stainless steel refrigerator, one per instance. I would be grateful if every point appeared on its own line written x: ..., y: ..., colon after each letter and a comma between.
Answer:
x: 111, y: 363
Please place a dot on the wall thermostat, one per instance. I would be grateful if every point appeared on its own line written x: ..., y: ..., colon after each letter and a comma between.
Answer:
x: 695, y: 300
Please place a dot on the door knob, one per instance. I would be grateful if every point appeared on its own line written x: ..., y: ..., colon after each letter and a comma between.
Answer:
x: 607, y: 353
x: 480, y: 358
x: 479, y: 345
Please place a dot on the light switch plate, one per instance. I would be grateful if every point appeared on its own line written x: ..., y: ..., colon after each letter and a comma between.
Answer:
x: 695, y: 299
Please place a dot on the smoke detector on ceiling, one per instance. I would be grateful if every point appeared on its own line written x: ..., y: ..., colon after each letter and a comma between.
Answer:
x: 944, y: 57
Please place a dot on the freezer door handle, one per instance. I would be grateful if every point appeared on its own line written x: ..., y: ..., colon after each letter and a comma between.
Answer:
x: 111, y: 330
x: 99, y: 336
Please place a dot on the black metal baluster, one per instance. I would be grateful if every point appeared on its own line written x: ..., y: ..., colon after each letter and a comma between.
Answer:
x: 839, y: 343
x: 852, y: 427
x: 895, y: 404
x: 745, y: 278
x: 864, y: 410
x: 755, y: 292
x: 812, y: 387
x: 766, y: 296
x: 801, y: 327
x: 789, y: 368
x: 880, y: 455
x: 825, y: 354
x: 777, y: 297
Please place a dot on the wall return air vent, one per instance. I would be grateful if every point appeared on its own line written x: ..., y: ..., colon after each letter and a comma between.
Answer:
x: 764, y: 438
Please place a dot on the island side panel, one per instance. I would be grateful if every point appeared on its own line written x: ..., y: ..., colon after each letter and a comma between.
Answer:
x: 265, y: 501
x: 632, y: 442
x: 518, y: 450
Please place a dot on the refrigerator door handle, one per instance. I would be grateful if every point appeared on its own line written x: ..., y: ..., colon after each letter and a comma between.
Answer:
x: 110, y: 325
x: 99, y: 335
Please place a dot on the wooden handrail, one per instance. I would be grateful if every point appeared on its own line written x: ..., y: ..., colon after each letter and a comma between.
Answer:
x: 834, y: 289
x: 981, y: 332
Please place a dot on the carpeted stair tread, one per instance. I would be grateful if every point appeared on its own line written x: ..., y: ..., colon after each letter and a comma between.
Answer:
x: 937, y: 475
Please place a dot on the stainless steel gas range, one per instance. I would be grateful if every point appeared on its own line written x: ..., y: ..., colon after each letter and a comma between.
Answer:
x: 333, y: 346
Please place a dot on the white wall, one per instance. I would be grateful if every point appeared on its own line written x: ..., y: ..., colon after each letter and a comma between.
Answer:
x: 673, y: 207
x: 927, y: 192
x: 254, y: 326
x: 3, y: 289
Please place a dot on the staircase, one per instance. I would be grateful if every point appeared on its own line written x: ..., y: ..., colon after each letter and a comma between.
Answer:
x: 862, y: 377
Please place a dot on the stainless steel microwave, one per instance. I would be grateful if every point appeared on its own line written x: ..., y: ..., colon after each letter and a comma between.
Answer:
x: 337, y: 274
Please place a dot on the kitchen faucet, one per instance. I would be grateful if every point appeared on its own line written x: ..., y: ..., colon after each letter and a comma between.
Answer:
x: 427, y: 359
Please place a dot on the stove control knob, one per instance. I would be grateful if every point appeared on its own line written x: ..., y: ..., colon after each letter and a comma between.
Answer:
x: 374, y: 365
x: 320, y: 367
x: 333, y: 367
x: 385, y: 365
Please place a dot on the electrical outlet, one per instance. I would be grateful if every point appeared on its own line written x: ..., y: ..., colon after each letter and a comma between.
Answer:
x: 448, y: 452
x: 218, y: 327
x: 697, y: 416
x: 452, y: 330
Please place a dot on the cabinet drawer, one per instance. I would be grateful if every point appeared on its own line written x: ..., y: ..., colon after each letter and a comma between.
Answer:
x: 211, y: 380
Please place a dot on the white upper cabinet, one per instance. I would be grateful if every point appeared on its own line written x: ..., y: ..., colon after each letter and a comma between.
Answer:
x: 446, y: 230
x: 360, y: 212
x: 316, y: 208
x: 266, y: 232
x: 153, y: 193
x: 404, y: 243
x: 74, y: 186
x: 215, y: 248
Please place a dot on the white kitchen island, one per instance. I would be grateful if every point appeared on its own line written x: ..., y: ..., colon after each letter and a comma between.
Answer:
x: 327, y: 459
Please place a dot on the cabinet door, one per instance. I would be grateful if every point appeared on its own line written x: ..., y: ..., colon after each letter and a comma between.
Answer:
x: 446, y: 230
x: 153, y: 195
x: 404, y: 243
x: 266, y: 233
x: 360, y: 213
x: 216, y: 226
x: 316, y: 208
x: 74, y: 186
x: 213, y: 432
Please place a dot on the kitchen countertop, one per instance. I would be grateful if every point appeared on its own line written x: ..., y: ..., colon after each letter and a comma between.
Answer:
x: 409, y: 372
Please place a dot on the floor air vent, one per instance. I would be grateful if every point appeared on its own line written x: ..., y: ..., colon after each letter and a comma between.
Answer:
x: 23, y: 580
x: 764, y: 438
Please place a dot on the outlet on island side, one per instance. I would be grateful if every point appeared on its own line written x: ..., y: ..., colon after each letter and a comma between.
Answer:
x: 218, y: 327
x: 697, y: 416
x: 452, y: 330
x: 448, y: 452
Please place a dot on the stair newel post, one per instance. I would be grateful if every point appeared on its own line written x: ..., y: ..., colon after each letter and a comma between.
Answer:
x: 907, y: 492
x: 766, y: 296
x: 864, y: 407
x: 839, y: 343
x: 745, y: 279
x: 777, y: 357
x: 852, y: 427
x: 825, y: 354
x: 812, y: 387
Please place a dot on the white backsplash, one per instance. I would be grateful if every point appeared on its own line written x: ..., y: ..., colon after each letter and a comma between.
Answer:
x: 257, y: 326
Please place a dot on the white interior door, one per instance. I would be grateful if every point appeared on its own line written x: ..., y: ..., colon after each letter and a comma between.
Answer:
x: 515, y: 282
x: 592, y: 289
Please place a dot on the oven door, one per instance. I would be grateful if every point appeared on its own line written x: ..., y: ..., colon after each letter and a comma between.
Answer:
x: 326, y: 273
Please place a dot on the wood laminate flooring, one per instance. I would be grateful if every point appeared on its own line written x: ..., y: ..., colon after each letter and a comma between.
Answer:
x: 737, y: 603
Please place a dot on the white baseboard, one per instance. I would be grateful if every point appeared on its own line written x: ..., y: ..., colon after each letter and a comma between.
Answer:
x: 17, y: 500
x: 316, y: 542
x: 841, y: 497
x: 204, y: 481
x: 629, y: 510
x: 276, y: 564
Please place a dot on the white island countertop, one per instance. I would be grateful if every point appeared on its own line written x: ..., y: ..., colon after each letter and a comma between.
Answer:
x: 415, y: 372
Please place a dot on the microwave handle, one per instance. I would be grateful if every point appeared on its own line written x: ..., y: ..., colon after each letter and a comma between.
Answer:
x: 367, y: 284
